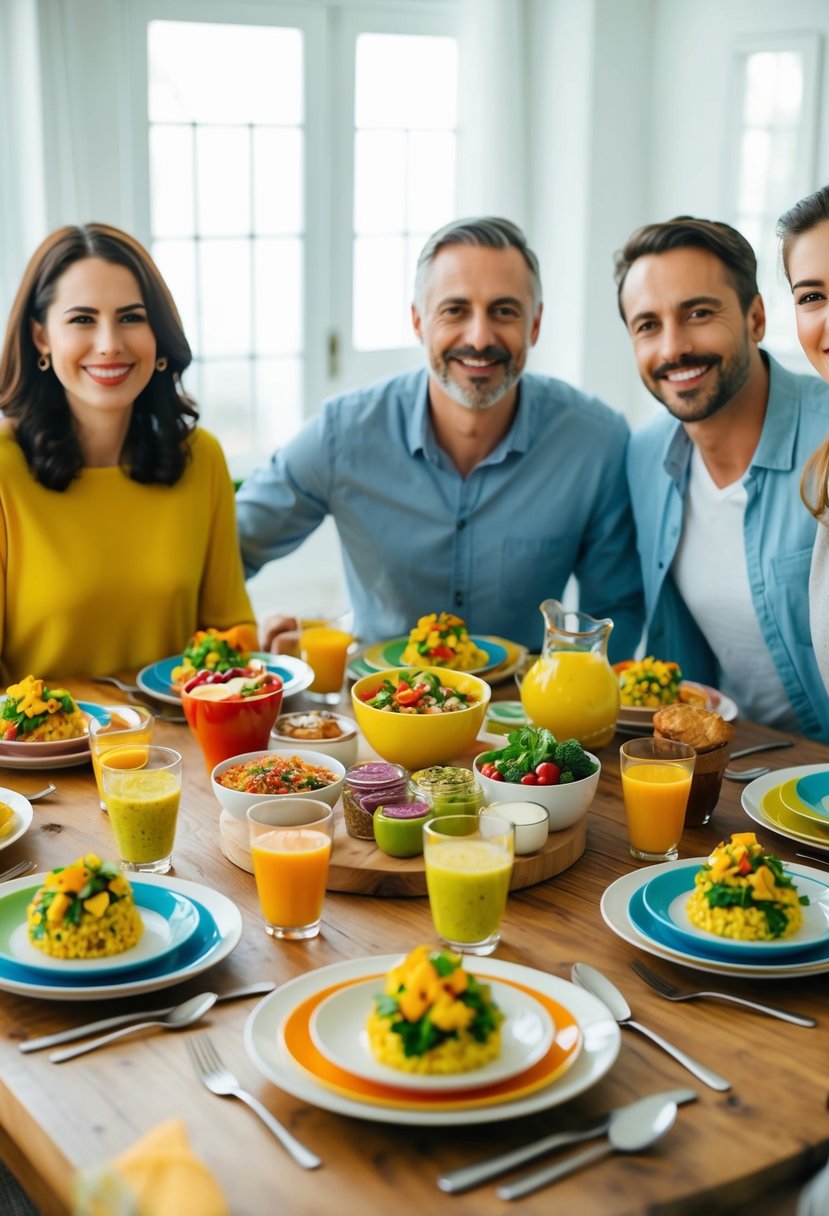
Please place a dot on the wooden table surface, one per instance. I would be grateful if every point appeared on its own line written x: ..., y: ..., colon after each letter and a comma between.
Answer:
x: 725, y: 1151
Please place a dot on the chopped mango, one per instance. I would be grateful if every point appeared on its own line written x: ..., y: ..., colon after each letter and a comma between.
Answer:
x: 97, y: 905
x: 73, y: 878
x: 58, y: 908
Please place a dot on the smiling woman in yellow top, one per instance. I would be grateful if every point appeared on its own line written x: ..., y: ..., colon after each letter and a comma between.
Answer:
x: 117, y: 527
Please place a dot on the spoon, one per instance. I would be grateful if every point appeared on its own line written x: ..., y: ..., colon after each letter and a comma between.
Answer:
x: 50, y: 789
x: 182, y: 1015
x: 601, y: 987
x: 631, y: 1129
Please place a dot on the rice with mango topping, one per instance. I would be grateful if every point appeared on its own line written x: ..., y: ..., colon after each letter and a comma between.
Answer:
x: 434, y: 1018
x: 745, y: 894
x: 84, y: 910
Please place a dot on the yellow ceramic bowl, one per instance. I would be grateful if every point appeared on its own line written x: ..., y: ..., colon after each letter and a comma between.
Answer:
x: 418, y: 740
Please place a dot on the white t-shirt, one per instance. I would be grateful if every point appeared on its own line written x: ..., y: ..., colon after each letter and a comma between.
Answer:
x: 710, y: 572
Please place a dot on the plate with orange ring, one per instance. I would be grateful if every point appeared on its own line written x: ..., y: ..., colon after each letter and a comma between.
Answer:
x: 584, y: 1047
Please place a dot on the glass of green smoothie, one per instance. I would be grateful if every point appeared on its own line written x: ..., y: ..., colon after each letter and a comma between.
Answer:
x: 142, y: 804
x: 468, y: 863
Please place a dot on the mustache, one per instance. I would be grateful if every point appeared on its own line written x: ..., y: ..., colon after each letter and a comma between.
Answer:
x: 495, y: 354
x: 686, y: 361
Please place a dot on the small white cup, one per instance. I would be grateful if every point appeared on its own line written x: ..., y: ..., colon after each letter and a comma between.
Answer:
x: 532, y: 823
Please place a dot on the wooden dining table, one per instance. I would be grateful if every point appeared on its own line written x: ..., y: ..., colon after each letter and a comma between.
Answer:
x: 728, y: 1151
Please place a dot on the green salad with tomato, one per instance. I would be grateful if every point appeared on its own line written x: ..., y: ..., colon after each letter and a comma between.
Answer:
x: 420, y: 693
x: 532, y: 756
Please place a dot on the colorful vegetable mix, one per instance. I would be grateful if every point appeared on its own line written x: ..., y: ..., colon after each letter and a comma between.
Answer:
x: 533, y: 757
x: 422, y: 693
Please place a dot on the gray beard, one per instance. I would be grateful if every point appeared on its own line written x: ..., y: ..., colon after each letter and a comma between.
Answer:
x: 480, y: 399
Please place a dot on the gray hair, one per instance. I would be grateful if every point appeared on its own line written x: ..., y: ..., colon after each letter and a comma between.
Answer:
x: 488, y: 232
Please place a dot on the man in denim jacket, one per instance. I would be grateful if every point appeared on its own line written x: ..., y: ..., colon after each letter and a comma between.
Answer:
x: 724, y: 540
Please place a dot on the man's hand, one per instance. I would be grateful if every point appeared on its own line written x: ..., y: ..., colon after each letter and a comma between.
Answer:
x: 280, y: 635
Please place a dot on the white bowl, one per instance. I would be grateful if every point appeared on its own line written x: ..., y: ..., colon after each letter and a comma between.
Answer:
x: 531, y: 820
x: 565, y: 804
x: 343, y: 749
x: 236, y: 803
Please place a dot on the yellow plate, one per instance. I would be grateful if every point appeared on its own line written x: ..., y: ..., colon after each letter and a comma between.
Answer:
x: 295, y: 1037
x: 781, y: 816
x: 800, y: 809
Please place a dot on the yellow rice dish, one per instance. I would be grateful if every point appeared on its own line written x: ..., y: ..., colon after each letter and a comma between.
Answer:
x: 434, y: 1018
x: 745, y: 894
x: 84, y: 910
x: 34, y: 713
x: 442, y: 640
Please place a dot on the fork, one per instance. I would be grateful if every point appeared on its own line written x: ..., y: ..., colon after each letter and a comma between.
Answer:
x: 118, y: 683
x: 672, y: 993
x: 220, y: 1080
x: 22, y: 867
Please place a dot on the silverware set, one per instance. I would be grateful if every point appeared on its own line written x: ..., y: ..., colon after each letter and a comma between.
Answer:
x: 751, y: 774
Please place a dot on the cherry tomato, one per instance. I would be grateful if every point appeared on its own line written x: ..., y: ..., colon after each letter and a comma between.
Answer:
x: 529, y: 779
x: 497, y: 775
x: 547, y: 773
x: 489, y: 769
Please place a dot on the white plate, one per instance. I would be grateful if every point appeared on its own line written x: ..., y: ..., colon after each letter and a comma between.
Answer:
x: 614, y: 908
x: 634, y: 719
x: 23, y: 815
x: 51, y: 763
x: 598, y: 1055
x: 339, y: 1022
x: 228, y: 926
x: 754, y: 793
x: 66, y: 753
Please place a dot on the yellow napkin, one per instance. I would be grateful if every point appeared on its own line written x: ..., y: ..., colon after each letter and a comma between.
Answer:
x: 158, y: 1176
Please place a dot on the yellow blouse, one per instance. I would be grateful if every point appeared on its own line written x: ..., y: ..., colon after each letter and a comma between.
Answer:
x: 109, y: 574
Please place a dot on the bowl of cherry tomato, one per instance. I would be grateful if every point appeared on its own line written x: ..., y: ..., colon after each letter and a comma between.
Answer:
x: 565, y: 802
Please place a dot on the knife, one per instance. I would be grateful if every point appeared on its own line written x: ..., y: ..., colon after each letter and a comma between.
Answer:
x: 468, y: 1176
x: 124, y: 1019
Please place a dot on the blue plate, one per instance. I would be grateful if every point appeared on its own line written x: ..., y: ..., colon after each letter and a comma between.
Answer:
x: 814, y: 791
x: 204, y: 938
x: 657, y: 910
x: 169, y: 920
x: 156, y: 679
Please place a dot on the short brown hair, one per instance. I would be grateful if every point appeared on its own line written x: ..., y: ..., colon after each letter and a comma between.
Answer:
x: 684, y: 232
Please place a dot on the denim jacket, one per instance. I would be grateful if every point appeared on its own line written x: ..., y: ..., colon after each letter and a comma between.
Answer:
x: 779, y: 535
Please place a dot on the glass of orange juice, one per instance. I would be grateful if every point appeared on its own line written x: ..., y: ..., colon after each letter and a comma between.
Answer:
x: 290, y: 846
x: 125, y: 727
x: 324, y: 649
x: 656, y: 782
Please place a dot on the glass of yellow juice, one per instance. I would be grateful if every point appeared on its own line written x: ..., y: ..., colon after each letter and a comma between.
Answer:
x: 656, y: 782
x: 142, y: 791
x: 123, y: 726
x: 468, y: 861
x: 325, y: 649
x: 290, y: 846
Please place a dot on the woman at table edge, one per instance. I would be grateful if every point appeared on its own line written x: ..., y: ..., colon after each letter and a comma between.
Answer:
x: 804, y: 248
x: 117, y: 521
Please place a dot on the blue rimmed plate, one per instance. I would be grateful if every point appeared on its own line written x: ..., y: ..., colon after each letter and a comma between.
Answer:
x: 217, y: 933
x: 169, y: 921
x: 59, y: 753
x: 156, y: 680
x: 665, y: 895
x: 813, y: 790
x: 386, y: 655
x: 761, y: 801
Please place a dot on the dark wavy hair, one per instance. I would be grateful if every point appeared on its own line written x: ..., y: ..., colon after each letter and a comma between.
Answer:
x: 156, y: 448
x: 683, y: 232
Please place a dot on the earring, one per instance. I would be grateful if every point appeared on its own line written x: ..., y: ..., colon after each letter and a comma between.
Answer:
x: 161, y: 364
x: 44, y: 363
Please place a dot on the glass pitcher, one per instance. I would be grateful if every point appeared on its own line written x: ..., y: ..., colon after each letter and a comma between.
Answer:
x: 572, y: 689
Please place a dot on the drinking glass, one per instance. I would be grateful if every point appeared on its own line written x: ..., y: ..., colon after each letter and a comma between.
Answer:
x: 656, y: 782
x: 126, y: 727
x: 142, y: 804
x: 290, y: 846
x: 325, y: 649
x: 468, y: 862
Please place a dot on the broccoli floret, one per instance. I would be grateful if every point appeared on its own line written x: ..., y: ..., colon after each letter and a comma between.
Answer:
x: 572, y: 758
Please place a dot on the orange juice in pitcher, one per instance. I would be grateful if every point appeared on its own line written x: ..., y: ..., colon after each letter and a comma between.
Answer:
x: 571, y: 688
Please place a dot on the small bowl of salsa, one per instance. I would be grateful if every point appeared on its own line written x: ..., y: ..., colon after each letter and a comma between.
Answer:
x: 244, y: 780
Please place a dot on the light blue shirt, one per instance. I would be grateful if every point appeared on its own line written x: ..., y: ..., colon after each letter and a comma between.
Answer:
x: 778, y: 530
x: 549, y: 501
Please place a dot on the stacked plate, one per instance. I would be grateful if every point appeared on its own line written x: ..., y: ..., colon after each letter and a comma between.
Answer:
x: 308, y: 1038
x: 63, y: 753
x: 647, y: 909
x: 636, y: 719
x: 503, y: 658
x: 187, y: 928
x: 156, y: 680
x: 794, y: 802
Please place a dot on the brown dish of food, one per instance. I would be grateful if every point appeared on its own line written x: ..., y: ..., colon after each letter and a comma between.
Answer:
x: 316, y: 724
x: 711, y: 738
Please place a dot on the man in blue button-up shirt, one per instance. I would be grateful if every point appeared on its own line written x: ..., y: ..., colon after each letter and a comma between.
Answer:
x: 724, y: 540
x: 470, y: 487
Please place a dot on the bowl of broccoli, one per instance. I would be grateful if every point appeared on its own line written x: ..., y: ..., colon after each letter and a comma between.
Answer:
x: 536, y: 767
